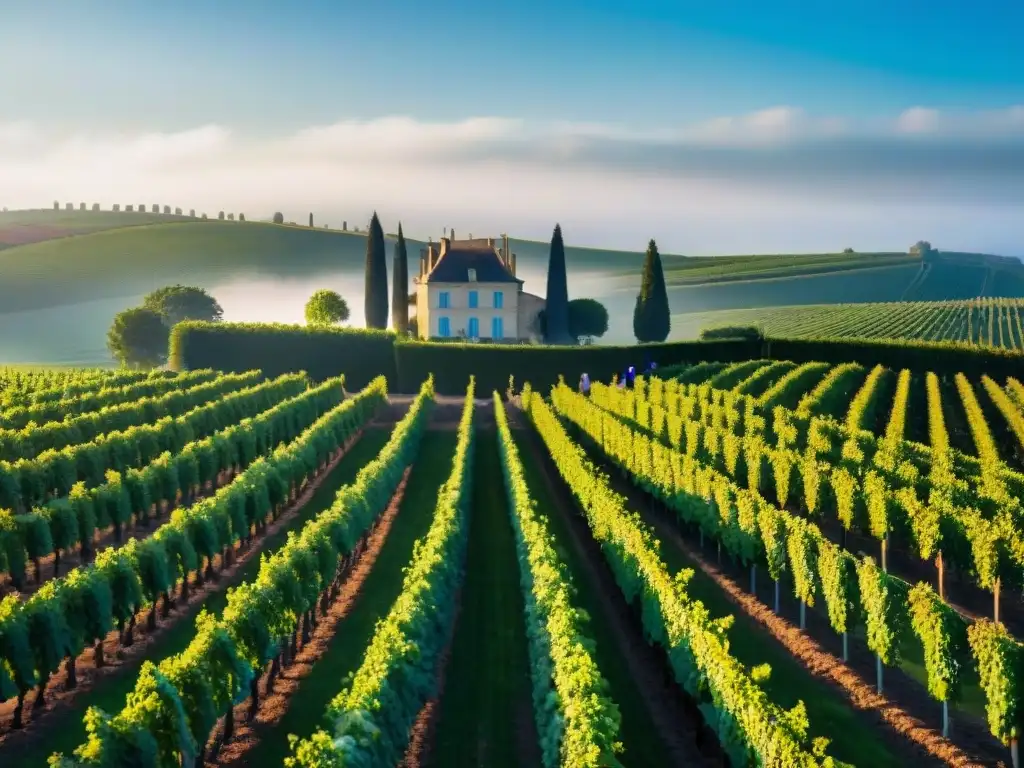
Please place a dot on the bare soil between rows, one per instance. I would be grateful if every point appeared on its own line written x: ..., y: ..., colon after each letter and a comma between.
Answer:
x: 278, y: 694
x: 124, y: 660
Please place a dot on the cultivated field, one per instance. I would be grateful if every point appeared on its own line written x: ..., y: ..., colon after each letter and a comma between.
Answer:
x: 225, y: 569
x: 986, y: 322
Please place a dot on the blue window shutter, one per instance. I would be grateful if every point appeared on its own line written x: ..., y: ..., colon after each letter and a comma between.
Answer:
x: 497, y: 328
x: 474, y: 328
x: 444, y: 328
x: 473, y: 299
x: 499, y: 300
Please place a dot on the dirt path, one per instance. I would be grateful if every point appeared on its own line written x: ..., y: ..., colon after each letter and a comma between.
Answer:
x: 675, y: 716
x: 917, y: 741
x: 421, y: 738
x: 119, y: 659
x: 274, y: 703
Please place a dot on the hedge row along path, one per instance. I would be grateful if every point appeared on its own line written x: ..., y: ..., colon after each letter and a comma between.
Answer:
x: 108, y: 687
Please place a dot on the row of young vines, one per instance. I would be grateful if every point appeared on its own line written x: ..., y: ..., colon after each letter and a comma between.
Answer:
x: 176, y: 704
x: 855, y: 591
x: 136, y: 497
x: 371, y: 720
x: 576, y: 718
x: 52, y: 474
x: 78, y: 611
x: 752, y: 729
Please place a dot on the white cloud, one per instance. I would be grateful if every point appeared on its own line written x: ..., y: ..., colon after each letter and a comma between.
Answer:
x: 919, y: 120
x: 774, y: 179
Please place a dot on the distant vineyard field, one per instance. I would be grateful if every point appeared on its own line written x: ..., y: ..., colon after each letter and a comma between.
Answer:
x: 986, y: 322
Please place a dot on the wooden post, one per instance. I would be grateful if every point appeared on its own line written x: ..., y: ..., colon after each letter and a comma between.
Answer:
x: 942, y: 575
x: 846, y: 648
x: 753, y: 579
x: 776, y: 596
x: 1014, y: 754
x: 945, y: 719
x: 878, y: 672
x: 803, y: 615
x: 995, y: 600
x: 885, y: 553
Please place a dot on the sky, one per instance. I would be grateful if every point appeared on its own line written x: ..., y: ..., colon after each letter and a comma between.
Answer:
x: 731, y: 127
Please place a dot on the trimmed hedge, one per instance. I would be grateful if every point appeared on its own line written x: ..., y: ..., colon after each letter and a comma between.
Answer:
x: 492, y: 364
x: 943, y: 358
x: 361, y: 355
x: 323, y: 353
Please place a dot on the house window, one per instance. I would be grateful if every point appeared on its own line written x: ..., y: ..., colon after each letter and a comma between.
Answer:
x: 443, y: 300
x: 474, y: 328
x: 473, y: 300
x: 499, y: 300
x: 444, y: 327
x: 472, y: 275
x: 497, y: 327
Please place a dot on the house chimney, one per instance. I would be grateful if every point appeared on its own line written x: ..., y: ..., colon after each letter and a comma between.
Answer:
x: 512, y: 265
x: 452, y: 236
x: 505, y: 251
x: 423, y: 262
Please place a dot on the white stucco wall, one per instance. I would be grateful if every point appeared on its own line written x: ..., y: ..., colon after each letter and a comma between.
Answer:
x: 458, y: 312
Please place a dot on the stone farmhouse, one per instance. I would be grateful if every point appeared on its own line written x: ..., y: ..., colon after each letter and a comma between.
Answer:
x: 468, y: 289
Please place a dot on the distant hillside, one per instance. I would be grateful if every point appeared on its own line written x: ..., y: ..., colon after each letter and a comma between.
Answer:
x: 987, y: 322
x: 86, y: 256
x: 34, y: 226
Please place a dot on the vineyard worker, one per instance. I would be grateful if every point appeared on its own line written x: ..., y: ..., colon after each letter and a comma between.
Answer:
x: 630, y: 376
x: 585, y: 384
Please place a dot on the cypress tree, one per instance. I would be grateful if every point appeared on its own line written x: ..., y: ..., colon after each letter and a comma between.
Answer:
x: 400, y: 286
x: 556, y: 309
x: 651, y: 320
x: 376, y: 296
x: 311, y: 220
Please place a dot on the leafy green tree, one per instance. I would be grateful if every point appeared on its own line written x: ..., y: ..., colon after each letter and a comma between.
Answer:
x: 400, y: 286
x: 557, y: 298
x: 138, y: 338
x: 376, y: 293
x: 326, y: 307
x: 651, y: 320
x: 175, y: 303
x: 587, y: 318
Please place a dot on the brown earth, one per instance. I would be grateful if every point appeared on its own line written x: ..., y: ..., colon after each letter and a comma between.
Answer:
x: 277, y: 696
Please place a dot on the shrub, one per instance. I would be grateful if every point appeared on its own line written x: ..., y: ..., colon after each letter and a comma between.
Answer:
x: 56, y: 205
x: 192, y: 213
x: 96, y: 206
x: 167, y: 210
x: 156, y: 208
x: 81, y: 206
x: 116, y: 207
x: 177, y: 211
x: 221, y: 215
x: 241, y: 217
x: 732, y: 332
x: 279, y: 218
x: 130, y: 208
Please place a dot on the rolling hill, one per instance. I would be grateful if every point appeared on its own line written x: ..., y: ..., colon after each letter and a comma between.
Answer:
x: 74, y: 270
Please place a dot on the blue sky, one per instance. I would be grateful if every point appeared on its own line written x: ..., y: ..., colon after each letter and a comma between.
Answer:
x: 104, y: 72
